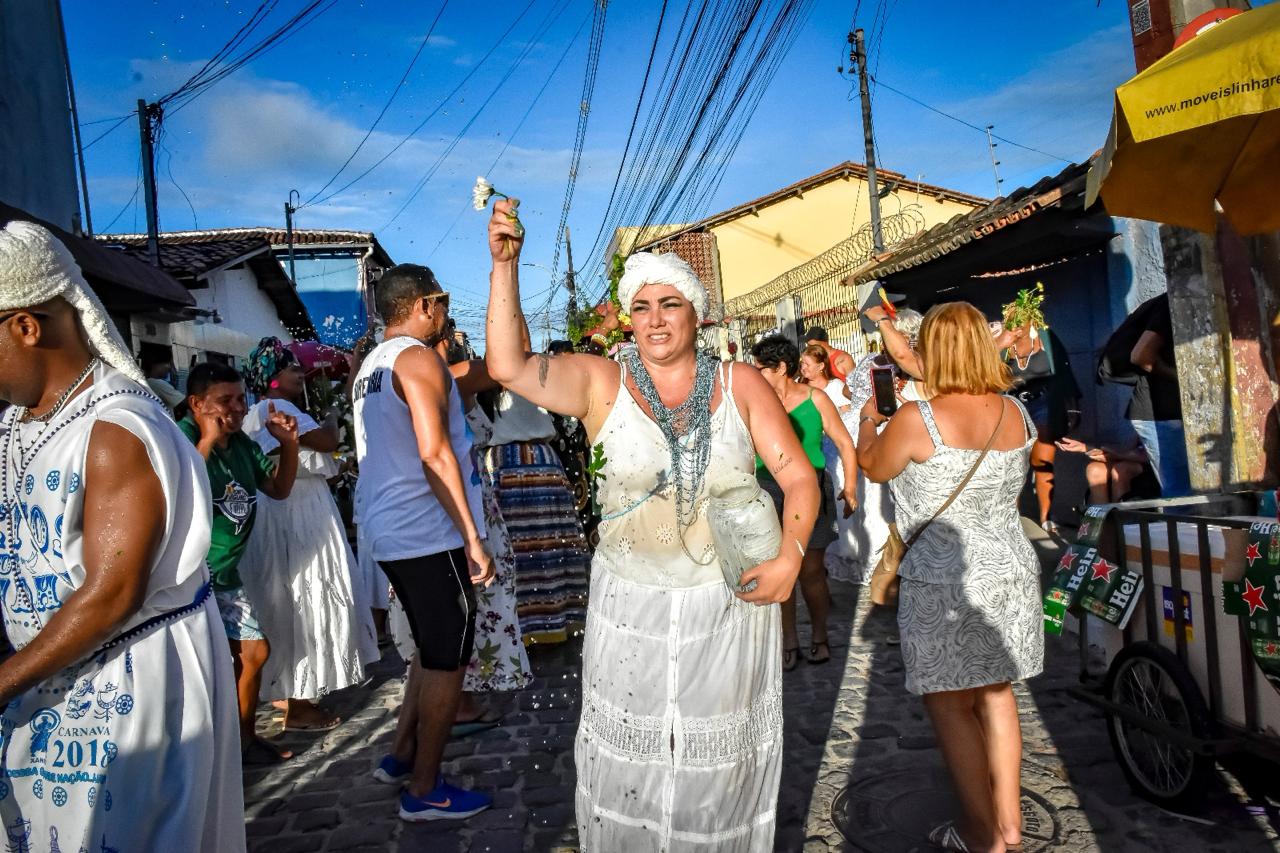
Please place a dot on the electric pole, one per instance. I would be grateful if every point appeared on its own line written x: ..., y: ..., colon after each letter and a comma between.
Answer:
x: 146, y: 114
x: 569, y: 283
x: 995, y: 164
x: 858, y: 54
x: 289, y: 210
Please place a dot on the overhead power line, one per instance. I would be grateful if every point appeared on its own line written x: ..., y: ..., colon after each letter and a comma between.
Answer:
x: 390, y: 98
x: 512, y: 68
x: 979, y: 128
x: 446, y: 99
x: 515, y: 130
x: 598, y: 11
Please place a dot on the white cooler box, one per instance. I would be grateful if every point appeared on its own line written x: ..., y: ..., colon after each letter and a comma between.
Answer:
x: 1221, y: 543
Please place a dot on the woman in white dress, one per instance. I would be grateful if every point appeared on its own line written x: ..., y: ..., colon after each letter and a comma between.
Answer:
x: 298, y: 567
x: 854, y: 554
x: 679, y: 747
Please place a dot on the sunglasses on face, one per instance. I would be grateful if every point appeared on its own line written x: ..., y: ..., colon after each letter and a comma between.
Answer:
x: 442, y: 297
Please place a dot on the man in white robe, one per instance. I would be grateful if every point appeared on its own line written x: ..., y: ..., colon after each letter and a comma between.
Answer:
x: 119, y: 720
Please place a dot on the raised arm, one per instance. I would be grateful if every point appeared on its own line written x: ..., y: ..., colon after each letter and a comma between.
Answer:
x: 896, y: 343
x: 422, y: 379
x: 883, y: 456
x: 472, y: 377
x: 835, y: 429
x: 284, y: 429
x: 570, y: 384
x: 776, y: 444
x: 124, y: 523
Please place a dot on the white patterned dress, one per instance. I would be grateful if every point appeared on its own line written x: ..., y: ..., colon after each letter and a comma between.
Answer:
x: 300, y: 574
x: 679, y: 748
x: 137, y: 747
x: 969, y: 610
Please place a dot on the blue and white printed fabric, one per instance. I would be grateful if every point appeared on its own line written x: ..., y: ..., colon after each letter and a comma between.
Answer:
x: 136, y: 748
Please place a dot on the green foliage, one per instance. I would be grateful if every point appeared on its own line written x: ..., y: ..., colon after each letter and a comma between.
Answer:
x: 1026, y: 309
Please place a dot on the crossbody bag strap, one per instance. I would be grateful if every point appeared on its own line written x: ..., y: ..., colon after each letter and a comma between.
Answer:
x: 967, y: 477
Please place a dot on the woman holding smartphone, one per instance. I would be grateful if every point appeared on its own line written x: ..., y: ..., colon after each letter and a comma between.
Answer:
x: 853, y: 556
x: 969, y: 606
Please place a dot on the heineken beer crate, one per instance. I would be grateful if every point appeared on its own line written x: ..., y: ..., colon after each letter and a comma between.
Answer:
x: 1227, y: 549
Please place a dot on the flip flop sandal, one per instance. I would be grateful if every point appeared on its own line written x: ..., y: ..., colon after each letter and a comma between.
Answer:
x: 813, y: 652
x: 487, y: 720
x: 790, y: 659
x: 321, y: 726
x: 948, y: 837
x: 263, y: 751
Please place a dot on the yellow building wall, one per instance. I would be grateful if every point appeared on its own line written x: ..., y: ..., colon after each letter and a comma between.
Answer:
x: 756, y: 248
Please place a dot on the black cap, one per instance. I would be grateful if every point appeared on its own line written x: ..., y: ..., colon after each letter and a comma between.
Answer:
x: 815, y: 333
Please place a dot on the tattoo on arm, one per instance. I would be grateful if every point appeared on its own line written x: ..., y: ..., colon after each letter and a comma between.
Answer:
x: 544, y: 365
x: 783, y: 462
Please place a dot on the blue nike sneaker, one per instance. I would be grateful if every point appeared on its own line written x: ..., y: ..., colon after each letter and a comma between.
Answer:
x: 392, y: 772
x: 445, y: 802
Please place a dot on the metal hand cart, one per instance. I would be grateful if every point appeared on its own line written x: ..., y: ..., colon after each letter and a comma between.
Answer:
x: 1181, y: 686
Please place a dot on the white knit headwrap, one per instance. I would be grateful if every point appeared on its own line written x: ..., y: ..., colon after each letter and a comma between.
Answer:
x: 35, y: 267
x: 647, y: 268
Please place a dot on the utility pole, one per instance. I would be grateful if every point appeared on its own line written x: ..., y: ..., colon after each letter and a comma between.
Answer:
x: 995, y: 164
x: 289, y: 210
x: 146, y: 112
x: 858, y: 55
x: 569, y: 283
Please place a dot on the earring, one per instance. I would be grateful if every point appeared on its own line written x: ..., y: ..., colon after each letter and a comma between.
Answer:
x: 275, y: 384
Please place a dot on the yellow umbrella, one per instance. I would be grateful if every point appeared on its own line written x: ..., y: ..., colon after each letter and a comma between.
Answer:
x: 1200, y: 125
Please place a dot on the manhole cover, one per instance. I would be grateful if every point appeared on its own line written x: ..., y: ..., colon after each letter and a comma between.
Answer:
x: 893, y: 812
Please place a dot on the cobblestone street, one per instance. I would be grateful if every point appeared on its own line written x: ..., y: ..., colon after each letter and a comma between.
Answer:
x: 849, y: 724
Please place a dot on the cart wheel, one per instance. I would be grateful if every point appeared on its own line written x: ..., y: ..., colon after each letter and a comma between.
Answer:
x: 1151, y: 680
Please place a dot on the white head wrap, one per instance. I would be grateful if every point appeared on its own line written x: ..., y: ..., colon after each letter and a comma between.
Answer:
x: 647, y: 268
x: 35, y: 267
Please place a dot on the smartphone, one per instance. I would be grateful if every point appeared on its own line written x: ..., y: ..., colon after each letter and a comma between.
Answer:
x: 882, y: 385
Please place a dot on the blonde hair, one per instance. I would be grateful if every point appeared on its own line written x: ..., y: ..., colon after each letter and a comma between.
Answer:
x: 819, y: 355
x: 959, y: 354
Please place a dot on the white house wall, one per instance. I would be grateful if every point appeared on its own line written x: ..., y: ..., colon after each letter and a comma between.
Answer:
x: 243, y: 306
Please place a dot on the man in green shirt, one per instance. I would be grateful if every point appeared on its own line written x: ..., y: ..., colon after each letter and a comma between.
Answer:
x: 238, y: 470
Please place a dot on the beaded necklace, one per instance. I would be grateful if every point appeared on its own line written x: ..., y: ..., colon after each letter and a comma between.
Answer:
x: 691, y: 419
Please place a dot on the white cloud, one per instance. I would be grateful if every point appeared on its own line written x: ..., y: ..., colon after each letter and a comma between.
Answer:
x: 441, y: 41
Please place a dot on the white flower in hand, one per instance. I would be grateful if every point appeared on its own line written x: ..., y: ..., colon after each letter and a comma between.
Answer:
x: 481, y: 193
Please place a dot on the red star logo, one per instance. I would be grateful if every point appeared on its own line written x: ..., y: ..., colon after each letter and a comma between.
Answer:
x: 1103, y: 569
x: 1252, y: 596
x: 1252, y: 553
x: 1068, y: 560
x: 1270, y: 648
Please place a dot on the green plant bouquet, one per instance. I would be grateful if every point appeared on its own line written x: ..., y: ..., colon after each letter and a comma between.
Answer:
x: 1026, y: 310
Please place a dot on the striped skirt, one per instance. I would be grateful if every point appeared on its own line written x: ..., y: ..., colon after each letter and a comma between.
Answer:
x: 551, y: 552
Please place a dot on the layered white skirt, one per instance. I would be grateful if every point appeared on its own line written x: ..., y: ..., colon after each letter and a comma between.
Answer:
x: 298, y: 572
x: 679, y: 747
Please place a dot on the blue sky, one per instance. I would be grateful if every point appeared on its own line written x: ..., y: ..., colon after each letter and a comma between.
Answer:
x: 1041, y: 72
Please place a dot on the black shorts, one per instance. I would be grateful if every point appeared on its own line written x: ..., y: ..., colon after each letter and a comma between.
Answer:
x: 438, y: 598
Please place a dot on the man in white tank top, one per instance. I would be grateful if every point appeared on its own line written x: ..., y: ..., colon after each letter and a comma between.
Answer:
x: 418, y: 501
x: 119, y: 717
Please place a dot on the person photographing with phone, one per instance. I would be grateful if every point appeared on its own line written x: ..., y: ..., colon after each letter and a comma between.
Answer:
x: 861, y: 537
x: 969, y: 605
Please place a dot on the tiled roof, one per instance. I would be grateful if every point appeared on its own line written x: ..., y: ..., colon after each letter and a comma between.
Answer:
x: 840, y: 171
x: 189, y: 260
x: 192, y: 254
x: 277, y: 237
x: 1066, y: 189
